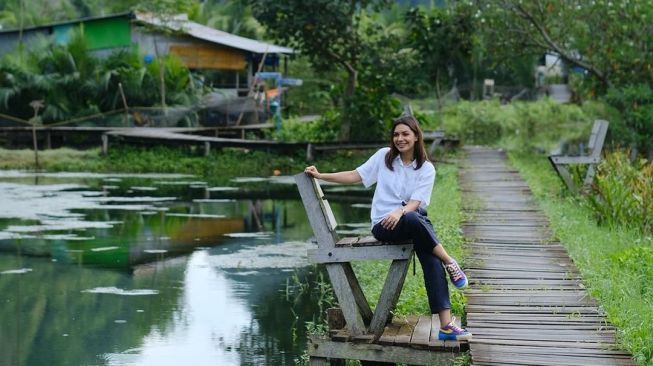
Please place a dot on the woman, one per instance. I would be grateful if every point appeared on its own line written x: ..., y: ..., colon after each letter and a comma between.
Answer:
x: 404, y: 180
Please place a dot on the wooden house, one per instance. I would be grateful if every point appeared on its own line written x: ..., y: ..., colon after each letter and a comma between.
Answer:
x: 198, y: 46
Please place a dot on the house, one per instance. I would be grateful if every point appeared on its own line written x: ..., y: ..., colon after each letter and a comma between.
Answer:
x: 198, y: 46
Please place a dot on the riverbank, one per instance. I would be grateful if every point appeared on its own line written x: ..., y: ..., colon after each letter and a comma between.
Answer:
x: 217, y: 168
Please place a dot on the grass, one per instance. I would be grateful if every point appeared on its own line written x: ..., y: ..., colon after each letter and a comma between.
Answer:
x: 219, y: 167
x: 616, y: 262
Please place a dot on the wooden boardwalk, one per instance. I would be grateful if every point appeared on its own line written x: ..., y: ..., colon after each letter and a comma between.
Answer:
x: 526, y: 302
x: 412, y: 340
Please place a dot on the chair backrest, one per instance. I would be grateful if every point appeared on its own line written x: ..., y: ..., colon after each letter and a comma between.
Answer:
x: 319, y: 212
x: 597, y: 137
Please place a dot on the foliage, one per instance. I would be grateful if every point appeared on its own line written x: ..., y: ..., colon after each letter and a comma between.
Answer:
x: 73, y: 83
x: 635, y: 103
x: 371, y: 113
x: 324, y: 129
x: 328, y: 32
x: 622, y: 193
x: 233, y: 16
x: 219, y: 167
x: 443, y: 39
x: 316, y: 95
x: 615, y: 262
x: 521, y: 125
x: 607, y: 40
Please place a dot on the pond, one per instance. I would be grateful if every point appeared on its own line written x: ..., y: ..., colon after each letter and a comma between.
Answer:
x: 158, y: 269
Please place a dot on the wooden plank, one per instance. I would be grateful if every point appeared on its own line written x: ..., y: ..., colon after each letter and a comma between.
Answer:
x: 545, y: 349
x: 366, y: 241
x: 324, y: 204
x: 406, y: 331
x: 389, y: 295
x: 422, y: 333
x: 346, y: 298
x: 537, y: 309
x: 348, y: 254
x: 326, y: 238
x: 390, y: 332
x: 576, y: 344
x: 380, y: 353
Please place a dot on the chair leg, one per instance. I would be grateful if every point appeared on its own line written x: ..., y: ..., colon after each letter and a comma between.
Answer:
x: 389, y: 295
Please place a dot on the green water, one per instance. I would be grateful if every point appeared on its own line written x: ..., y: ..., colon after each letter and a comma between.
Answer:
x: 160, y: 270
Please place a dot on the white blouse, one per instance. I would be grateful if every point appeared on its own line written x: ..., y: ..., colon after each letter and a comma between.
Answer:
x: 395, y: 188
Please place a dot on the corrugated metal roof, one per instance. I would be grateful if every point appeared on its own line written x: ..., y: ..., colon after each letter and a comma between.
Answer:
x: 199, y: 31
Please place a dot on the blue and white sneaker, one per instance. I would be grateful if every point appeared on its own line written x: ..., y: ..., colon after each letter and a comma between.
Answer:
x: 456, y: 274
x: 452, y: 332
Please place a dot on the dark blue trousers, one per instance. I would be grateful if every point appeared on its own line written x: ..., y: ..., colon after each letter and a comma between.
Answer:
x: 417, y: 227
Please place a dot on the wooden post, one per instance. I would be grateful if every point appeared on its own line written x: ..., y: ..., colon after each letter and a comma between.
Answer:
x: 207, y: 148
x: 319, y: 223
x: 36, y: 146
x: 310, y: 152
x: 48, y: 140
x: 105, y: 144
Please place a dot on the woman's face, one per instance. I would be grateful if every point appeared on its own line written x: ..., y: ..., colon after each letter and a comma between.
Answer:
x: 404, y: 139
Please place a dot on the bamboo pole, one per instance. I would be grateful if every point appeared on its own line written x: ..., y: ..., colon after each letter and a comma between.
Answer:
x: 124, y: 103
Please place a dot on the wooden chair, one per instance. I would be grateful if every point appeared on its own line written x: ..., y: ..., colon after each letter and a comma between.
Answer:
x: 436, y: 138
x: 337, y: 255
x: 594, y: 145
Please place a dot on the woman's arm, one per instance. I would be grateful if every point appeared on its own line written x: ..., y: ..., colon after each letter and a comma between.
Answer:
x: 392, y: 219
x: 349, y: 177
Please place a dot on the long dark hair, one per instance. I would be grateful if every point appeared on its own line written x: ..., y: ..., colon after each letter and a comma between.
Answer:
x: 419, y: 152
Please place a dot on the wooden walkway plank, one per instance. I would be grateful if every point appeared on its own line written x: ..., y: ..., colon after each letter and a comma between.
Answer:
x: 526, y: 304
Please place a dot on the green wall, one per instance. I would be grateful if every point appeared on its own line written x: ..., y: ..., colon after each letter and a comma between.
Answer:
x: 99, y: 33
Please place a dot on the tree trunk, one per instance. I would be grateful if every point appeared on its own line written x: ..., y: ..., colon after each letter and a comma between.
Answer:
x: 438, y: 94
x: 345, y: 127
x: 36, y: 148
x: 161, y: 75
x: 163, y: 86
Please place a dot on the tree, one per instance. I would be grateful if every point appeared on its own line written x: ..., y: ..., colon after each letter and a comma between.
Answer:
x: 328, y: 32
x: 233, y: 16
x: 442, y: 38
x: 165, y: 11
x: 609, y: 40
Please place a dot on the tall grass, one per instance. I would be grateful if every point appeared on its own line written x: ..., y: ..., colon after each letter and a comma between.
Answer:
x: 219, y: 167
x: 541, y: 125
x: 622, y: 193
x: 616, y: 262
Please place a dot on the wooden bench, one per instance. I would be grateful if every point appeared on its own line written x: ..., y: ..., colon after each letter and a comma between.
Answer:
x: 362, y: 324
x: 436, y: 138
x: 594, y: 145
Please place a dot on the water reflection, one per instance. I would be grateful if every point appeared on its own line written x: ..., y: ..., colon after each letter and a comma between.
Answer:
x: 138, y: 276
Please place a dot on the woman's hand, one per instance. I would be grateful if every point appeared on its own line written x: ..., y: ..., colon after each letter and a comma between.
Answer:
x: 390, y: 222
x: 312, y: 171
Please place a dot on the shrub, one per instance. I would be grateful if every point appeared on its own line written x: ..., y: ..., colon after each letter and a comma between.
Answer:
x: 622, y: 192
x: 635, y: 103
x: 324, y: 129
x: 519, y: 125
